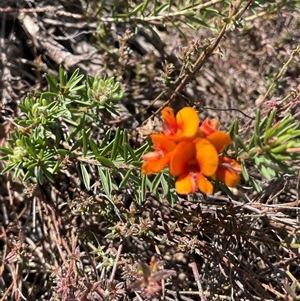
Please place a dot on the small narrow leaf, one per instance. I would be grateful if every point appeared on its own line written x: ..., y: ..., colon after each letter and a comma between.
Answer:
x: 77, y: 144
x: 11, y: 166
x: 138, y: 8
x: 115, y: 144
x: 109, y: 180
x: 5, y: 150
x: 239, y: 141
x: 270, y: 122
x: 245, y: 172
x: 94, y: 147
x: 257, y: 123
x: 165, y: 186
x: 105, y: 181
x: 63, y: 152
x: 125, y: 179
x: 84, y: 142
x: 130, y: 152
x: 79, y: 127
x: 107, y: 149
x: 29, y: 174
x: 262, y: 125
x: 160, y: 9
x: 193, y: 19
x: 104, y: 161
x: 85, y: 176
x: 140, y: 151
x: 157, y: 180
x: 265, y: 171
x: 144, y: 7
x: 142, y: 190
x: 255, y: 185
x: 52, y: 82
x: 40, y: 176
x: 181, y: 33
x: 47, y: 174
x: 105, y: 139
x: 62, y: 76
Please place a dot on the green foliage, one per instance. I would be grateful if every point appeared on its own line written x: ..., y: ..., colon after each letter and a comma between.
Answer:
x: 273, y: 146
x: 56, y: 131
x: 103, y: 91
x: 176, y: 14
x: 57, y: 128
x: 164, y: 13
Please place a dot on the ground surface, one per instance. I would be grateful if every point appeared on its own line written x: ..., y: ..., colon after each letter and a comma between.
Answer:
x: 242, y: 249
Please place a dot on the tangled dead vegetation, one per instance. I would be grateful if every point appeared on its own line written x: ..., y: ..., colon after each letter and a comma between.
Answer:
x: 60, y: 241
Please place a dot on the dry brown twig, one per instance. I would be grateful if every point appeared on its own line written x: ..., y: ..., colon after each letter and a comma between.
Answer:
x: 197, y: 278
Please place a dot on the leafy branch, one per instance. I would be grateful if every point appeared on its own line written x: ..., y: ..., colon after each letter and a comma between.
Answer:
x: 57, y: 132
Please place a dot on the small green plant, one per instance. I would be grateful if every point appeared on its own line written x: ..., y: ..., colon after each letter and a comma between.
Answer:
x: 104, y: 91
x: 273, y: 146
x: 56, y: 131
x: 56, y: 127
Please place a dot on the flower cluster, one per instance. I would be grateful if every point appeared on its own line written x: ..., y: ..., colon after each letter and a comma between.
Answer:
x: 192, y: 152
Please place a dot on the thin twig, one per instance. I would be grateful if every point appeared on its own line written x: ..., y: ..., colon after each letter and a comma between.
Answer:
x: 196, y: 274
x: 279, y: 75
x: 114, y: 270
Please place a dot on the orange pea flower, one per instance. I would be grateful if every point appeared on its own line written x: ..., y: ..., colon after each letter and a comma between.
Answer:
x: 228, y: 170
x: 192, y: 162
x: 158, y: 159
x: 208, y: 126
x: 192, y: 152
x: 184, y: 126
x: 219, y: 140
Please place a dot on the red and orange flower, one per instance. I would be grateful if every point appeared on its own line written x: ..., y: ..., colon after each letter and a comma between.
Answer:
x: 158, y: 159
x: 192, y: 152
x: 182, y: 127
